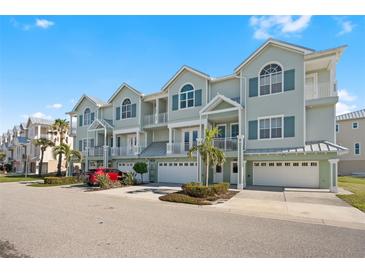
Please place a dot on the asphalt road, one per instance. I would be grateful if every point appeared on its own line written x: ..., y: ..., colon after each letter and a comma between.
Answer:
x: 67, y: 222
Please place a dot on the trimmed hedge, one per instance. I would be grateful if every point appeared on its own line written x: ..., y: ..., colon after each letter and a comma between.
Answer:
x: 197, y: 190
x: 183, y: 198
x: 60, y: 180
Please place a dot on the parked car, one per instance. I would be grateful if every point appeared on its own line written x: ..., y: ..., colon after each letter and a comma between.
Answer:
x: 113, y: 174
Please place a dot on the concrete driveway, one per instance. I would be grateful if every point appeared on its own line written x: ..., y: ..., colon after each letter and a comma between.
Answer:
x: 318, y: 206
x: 303, y: 205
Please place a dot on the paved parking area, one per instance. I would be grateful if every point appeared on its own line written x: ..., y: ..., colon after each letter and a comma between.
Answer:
x: 68, y: 222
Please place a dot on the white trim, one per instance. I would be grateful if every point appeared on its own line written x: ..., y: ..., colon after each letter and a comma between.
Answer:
x: 270, y: 117
x: 357, y: 125
x: 217, y: 100
x: 185, y: 124
x: 220, y: 111
x: 172, y: 79
x: 119, y: 89
x: 259, y: 79
x: 186, y: 100
x: 355, y: 149
x: 127, y: 130
x: 274, y: 43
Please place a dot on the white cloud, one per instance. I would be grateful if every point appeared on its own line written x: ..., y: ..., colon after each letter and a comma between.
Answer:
x: 43, y: 23
x: 55, y: 106
x: 39, y: 23
x: 268, y: 26
x: 345, y: 103
x: 346, y: 25
x: 37, y: 115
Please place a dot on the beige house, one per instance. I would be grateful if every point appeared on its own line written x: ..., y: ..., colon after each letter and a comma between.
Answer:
x: 23, y: 154
x: 350, y: 132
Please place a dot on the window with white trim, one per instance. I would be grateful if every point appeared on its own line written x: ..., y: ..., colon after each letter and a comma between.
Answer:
x: 187, y: 99
x: 87, y: 117
x: 357, y: 149
x: 271, y: 79
x: 355, y: 125
x: 126, y: 109
x: 271, y: 128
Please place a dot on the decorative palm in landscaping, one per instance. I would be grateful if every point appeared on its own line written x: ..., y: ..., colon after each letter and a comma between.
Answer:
x: 60, y: 128
x: 43, y: 144
x: 211, y: 155
x: 71, y: 156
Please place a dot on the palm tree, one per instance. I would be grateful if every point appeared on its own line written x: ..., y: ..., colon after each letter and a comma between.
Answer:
x: 60, y: 127
x: 43, y: 144
x: 2, y: 156
x: 70, y: 155
x: 210, y: 154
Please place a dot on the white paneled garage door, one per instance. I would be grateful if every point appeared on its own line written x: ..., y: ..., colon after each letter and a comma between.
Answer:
x: 286, y: 174
x: 177, y: 172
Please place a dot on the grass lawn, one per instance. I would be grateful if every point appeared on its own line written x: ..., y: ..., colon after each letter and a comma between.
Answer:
x: 357, y: 187
x: 10, y: 179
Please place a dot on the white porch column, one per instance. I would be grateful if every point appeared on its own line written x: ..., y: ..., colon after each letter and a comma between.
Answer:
x: 199, y: 161
x: 157, y: 110
x: 38, y: 131
x: 333, y: 175
x: 169, y: 145
x: 138, y: 142
x: 105, y: 152
x: 86, y: 151
x: 241, y: 163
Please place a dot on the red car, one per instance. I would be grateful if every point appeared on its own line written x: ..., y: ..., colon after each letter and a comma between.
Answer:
x: 113, y: 174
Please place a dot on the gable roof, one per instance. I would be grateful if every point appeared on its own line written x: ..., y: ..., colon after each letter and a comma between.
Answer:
x: 93, y: 99
x: 217, y: 100
x: 352, y: 115
x: 124, y: 85
x: 40, y: 121
x: 181, y: 70
x: 276, y: 42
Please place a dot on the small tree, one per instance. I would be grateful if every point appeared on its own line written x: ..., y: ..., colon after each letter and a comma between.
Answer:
x: 140, y: 168
x: 43, y: 144
x: 70, y: 155
x: 211, y: 155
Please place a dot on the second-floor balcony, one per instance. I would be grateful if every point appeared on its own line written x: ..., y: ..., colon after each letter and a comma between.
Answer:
x: 126, y: 151
x: 320, y: 90
x: 97, y: 151
x: 226, y: 144
x: 157, y: 119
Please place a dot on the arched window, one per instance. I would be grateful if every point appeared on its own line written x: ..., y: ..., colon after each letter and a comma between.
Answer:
x: 187, y: 96
x: 126, y: 109
x: 87, y: 117
x: 271, y: 79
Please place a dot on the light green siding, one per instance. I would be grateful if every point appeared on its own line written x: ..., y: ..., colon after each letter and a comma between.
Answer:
x: 320, y: 123
x: 288, y: 103
x: 229, y: 88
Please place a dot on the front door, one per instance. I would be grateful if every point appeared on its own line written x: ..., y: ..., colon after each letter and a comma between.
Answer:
x: 234, y: 173
x: 218, y: 174
x: 131, y: 143
x: 153, y: 171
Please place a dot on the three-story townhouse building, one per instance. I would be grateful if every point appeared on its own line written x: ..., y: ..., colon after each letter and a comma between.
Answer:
x: 275, y: 115
x: 350, y: 131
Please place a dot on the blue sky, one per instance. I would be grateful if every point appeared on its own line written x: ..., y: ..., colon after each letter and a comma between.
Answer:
x: 48, y: 62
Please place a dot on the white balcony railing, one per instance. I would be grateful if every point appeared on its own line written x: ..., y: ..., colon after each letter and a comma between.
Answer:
x: 226, y: 144
x: 179, y: 148
x: 127, y: 151
x: 321, y: 90
x: 96, y: 151
x: 155, y: 119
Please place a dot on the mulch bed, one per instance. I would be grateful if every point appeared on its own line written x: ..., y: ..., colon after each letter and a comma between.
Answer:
x: 97, y: 188
x: 181, y: 197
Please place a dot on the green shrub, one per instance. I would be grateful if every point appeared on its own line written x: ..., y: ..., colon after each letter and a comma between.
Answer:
x: 140, y: 168
x: 183, y: 198
x: 220, y: 188
x: 197, y: 190
x: 60, y: 180
x: 128, y: 179
x: 105, y: 182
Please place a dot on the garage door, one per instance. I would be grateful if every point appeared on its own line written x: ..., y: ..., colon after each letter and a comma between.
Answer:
x: 177, y: 172
x: 287, y: 174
